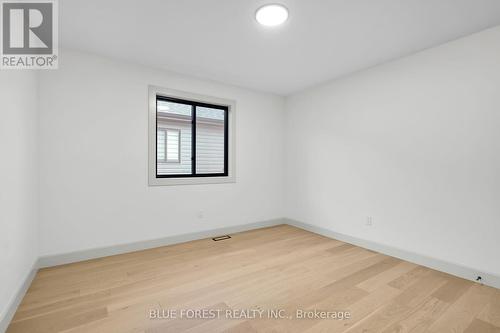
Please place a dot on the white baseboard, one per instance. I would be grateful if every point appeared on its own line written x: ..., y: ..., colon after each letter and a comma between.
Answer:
x: 17, y: 298
x: 66, y: 258
x: 468, y: 273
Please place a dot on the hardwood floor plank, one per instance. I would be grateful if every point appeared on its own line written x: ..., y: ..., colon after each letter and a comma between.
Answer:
x: 419, y: 319
x: 479, y: 326
x: 381, y: 318
x: 358, y: 310
x: 59, y: 321
x: 491, y: 314
x: 452, y: 290
x: 410, y: 277
x: 461, y: 313
x: 382, y: 279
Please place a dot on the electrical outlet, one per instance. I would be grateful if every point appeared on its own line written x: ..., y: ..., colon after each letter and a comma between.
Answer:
x: 369, y: 221
x: 200, y: 215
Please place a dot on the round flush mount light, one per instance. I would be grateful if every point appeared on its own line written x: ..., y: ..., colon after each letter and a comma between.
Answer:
x: 271, y: 15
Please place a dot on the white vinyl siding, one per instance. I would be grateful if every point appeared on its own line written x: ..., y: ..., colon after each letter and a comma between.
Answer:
x: 160, y: 149
x: 210, y: 147
x: 183, y: 166
x: 172, y: 146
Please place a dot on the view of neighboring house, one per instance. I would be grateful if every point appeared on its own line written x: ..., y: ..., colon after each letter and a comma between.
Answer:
x: 174, y: 145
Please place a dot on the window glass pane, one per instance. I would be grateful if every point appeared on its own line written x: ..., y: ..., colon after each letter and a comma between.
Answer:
x: 174, y: 120
x: 209, y: 140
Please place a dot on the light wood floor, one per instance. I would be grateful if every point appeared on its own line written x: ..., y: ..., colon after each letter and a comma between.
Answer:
x: 274, y: 268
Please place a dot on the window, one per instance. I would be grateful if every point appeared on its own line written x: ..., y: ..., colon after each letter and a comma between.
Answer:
x: 168, y: 145
x: 190, y: 138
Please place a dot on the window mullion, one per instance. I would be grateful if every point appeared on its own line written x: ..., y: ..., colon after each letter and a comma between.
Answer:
x: 193, y: 140
x: 165, y: 149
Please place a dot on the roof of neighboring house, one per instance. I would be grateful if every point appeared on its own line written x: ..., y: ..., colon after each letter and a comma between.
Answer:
x: 168, y: 108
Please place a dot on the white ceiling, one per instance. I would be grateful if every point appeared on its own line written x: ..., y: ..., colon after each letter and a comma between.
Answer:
x: 220, y: 40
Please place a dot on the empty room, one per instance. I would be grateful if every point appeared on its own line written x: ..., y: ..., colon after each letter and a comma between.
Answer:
x: 250, y: 166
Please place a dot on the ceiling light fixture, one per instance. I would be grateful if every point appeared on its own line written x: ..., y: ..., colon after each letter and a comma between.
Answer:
x: 271, y: 15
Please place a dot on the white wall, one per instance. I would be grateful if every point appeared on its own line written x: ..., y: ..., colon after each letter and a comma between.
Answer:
x: 414, y: 143
x: 94, y: 159
x: 18, y: 181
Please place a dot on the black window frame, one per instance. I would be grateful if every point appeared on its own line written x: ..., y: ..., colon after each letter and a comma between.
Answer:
x: 193, y: 105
